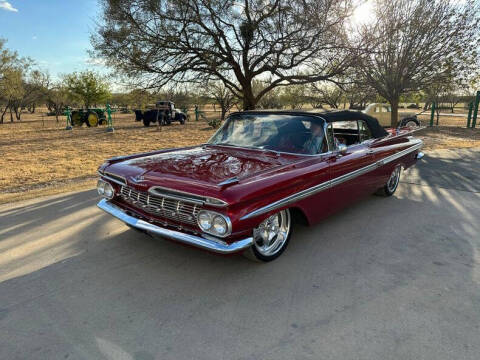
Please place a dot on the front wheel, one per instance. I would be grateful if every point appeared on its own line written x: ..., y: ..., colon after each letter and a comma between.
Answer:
x: 392, y: 183
x: 271, y: 237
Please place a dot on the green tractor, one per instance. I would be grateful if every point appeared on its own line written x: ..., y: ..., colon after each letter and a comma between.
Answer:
x: 91, y: 117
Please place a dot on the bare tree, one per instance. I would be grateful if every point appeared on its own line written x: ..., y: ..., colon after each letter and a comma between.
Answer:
x: 329, y: 94
x: 222, y: 96
x: 289, y: 41
x: 58, y: 98
x: 418, y: 42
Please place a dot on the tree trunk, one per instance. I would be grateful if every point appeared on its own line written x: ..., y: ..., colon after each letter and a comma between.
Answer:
x: 394, y: 116
x: 249, y: 102
x: 224, y: 111
x: 3, y: 114
x: 18, y: 113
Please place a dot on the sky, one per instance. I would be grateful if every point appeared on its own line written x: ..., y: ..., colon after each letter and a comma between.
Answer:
x: 55, y: 33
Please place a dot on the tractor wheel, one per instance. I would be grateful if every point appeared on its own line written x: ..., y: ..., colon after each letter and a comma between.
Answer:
x: 92, y: 119
x: 77, y: 119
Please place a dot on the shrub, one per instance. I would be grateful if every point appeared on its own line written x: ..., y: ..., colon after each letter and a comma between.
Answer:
x: 214, y: 123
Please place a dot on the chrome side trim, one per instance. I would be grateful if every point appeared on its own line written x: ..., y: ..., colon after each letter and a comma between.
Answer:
x: 288, y: 200
x: 400, y: 154
x: 211, y: 244
x: 232, y: 180
x: 329, y: 184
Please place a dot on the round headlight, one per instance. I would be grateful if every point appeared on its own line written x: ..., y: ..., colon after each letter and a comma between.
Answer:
x: 219, y: 225
x: 108, y: 191
x: 100, y: 187
x: 205, y: 220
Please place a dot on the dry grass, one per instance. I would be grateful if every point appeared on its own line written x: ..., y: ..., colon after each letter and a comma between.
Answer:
x: 39, y: 157
x: 447, y: 137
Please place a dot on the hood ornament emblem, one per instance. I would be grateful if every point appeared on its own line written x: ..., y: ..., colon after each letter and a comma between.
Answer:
x: 137, y: 179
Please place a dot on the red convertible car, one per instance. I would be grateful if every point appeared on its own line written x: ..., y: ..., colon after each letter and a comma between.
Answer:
x: 260, y: 173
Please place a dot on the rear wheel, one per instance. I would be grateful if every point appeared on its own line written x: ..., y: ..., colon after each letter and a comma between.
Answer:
x: 146, y: 122
x: 92, y: 119
x: 271, y: 237
x: 410, y: 123
x: 392, y: 183
x: 77, y: 119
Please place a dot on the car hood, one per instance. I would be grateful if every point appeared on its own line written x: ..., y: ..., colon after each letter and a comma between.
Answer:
x: 203, y: 166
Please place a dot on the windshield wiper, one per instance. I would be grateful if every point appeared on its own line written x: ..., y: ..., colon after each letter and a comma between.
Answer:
x: 222, y: 144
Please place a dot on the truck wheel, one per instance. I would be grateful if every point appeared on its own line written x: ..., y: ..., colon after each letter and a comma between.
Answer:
x: 271, y: 237
x: 182, y: 120
x: 92, y: 119
x: 146, y: 122
x: 138, y: 115
x: 77, y: 119
x: 392, y: 183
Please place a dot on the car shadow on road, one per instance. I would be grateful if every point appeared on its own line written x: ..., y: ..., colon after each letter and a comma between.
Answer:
x: 451, y: 169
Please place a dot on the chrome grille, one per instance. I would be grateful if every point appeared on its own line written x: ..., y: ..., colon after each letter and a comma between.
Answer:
x: 161, y: 206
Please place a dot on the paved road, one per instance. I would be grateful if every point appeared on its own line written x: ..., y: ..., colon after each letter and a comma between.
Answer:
x: 395, y: 278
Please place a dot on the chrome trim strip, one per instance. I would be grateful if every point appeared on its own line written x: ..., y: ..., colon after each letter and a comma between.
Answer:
x: 153, y: 191
x: 400, y: 154
x: 186, y: 197
x: 211, y: 244
x: 104, y: 175
x: 232, y: 180
x: 331, y: 183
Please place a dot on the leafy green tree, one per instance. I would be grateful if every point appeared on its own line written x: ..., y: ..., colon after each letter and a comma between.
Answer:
x: 88, y: 87
x: 11, y: 89
x: 58, y: 98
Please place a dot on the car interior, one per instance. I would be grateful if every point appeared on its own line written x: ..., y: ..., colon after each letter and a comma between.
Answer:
x: 349, y: 132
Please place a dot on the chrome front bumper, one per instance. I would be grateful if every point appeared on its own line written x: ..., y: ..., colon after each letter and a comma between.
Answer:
x: 217, y: 245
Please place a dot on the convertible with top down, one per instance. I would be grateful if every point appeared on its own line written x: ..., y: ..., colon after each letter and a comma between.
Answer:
x: 256, y: 178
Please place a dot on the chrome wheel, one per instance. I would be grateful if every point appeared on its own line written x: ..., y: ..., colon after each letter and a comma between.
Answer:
x: 272, y: 234
x: 394, y: 179
x: 411, y: 124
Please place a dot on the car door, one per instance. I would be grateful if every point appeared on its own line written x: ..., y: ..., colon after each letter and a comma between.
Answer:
x: 383, y: 114
x: 350, y: 178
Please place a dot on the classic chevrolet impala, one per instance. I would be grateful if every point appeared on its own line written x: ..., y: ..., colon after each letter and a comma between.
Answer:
x: 261, y: 173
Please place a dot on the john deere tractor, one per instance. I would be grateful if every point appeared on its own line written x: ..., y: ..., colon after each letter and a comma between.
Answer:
x: 91, y: 117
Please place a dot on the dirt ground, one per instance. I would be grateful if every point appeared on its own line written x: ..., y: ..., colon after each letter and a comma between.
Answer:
x: 39, y: 157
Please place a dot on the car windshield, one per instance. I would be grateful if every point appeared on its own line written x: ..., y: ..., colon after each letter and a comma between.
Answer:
x: 299, y: 134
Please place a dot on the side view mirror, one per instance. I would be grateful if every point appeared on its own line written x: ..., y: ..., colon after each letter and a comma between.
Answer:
x: 342, y: 149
